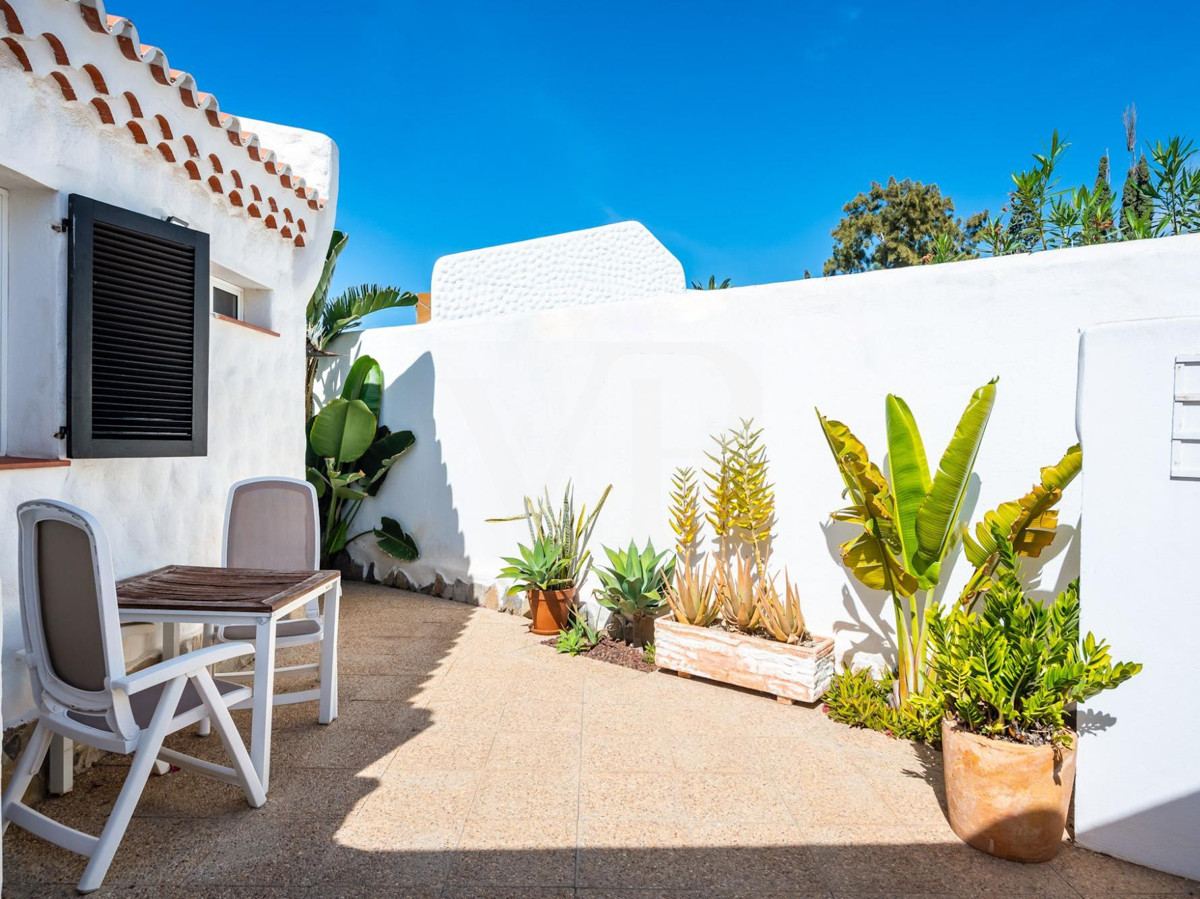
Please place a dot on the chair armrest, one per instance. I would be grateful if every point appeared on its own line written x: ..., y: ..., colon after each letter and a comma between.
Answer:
x: 180, y: 666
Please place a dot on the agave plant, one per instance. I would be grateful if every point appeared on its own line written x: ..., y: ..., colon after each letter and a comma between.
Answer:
x: 349, y: 455
x: 738, y: 591
x: 635, y: 583
x: 1011, y: 669
x: 781, y: 616
x: 541, y: 566
x: 562, y: 526
x: 693, y: 596
x: 1028, y: 524
x: 909, y: 526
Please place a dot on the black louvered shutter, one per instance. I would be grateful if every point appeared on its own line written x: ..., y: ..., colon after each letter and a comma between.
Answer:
x: 138, y: 335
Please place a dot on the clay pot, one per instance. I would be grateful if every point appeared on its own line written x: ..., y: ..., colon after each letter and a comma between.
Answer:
x: 1007, y: 799
x: 550, y: 610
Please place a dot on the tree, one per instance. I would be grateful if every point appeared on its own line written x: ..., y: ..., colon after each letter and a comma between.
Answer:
x: 1137, y: 207
x: 895, y: 226
x: 1101, y: 189
x: 328, y: 318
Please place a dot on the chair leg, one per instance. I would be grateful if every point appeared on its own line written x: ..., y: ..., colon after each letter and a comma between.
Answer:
x: 204, y: 728
x: 27, y: 766
x: 231, y: 739
x: 149, y: 743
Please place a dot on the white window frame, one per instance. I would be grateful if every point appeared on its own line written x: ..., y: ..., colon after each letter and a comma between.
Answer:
x: 235, y: 289
x: 4, y: 255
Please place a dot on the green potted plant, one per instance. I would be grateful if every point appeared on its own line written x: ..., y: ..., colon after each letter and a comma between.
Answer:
x: 1006, y: 675
x: 634, y: 589
x: 541, y: 572
x: 555, y: 527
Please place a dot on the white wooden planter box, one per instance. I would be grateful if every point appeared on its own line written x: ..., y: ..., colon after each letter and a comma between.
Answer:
x: 786, y: 671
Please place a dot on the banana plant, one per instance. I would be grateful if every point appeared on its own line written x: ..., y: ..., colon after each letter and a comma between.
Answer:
x: 1027, y: 525
x: 349, y: 456
x: 910, y: 521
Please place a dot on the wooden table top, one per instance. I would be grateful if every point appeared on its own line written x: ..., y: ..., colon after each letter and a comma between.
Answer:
x: 193, y: 588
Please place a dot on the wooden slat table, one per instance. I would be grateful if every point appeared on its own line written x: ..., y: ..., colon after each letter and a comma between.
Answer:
x: 181, y: 594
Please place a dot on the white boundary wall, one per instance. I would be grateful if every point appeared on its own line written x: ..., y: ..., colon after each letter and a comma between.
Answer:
x: 597, y: 265
x: 621, y: 393
x: 1138, y: 781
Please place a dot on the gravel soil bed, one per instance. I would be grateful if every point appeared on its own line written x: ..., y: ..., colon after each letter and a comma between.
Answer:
x: 615, y: 653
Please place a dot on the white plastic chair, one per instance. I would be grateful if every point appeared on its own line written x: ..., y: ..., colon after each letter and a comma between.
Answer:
x: 273, y: 523
x: 73, y: 648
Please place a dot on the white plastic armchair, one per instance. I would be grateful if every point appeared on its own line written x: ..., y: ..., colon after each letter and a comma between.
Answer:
x: 73, y: 648
x: 273, y: 523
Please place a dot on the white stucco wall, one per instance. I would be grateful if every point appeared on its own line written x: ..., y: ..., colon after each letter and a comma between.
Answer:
x: 155, y: 510
x: 621, y: 393
x: 1137, y: 792
x: 598, y: 265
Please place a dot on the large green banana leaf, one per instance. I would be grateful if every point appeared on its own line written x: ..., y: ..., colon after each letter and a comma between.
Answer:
x: 874, y: 555
x: 364, y: 382
x: 343, y: 430
x: 909, y: 473
x: 1030, y: 523
x: 937, y: 518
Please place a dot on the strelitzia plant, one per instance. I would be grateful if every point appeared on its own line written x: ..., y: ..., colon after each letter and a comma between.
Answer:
x: 781, y: 616
x: 693, y: 596
x: 1027, y: 525
x: 634, y: 584
x: 910, y: 525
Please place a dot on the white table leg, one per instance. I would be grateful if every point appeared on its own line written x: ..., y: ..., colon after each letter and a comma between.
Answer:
x: 328, y: 710
x: 62, y: 765
x: 170, y: 649
x: 262, y: 704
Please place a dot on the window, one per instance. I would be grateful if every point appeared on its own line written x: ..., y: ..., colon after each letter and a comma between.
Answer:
x: 228, y: 299
x: 137, y: 341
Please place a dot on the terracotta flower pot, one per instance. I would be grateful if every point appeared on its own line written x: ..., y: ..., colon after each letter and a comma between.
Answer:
x: 550, y: 610
x: 1007, y: 799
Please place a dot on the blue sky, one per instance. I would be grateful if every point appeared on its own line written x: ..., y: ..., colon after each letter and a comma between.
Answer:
x: 735, y: 131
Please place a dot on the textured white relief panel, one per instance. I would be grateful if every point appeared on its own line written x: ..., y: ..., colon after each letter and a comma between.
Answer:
x: 599, y: 265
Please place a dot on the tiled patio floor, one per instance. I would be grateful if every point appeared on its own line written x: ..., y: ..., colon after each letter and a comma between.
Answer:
x: 471, y: 761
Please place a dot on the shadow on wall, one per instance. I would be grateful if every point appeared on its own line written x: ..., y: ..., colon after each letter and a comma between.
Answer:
x: 417, y: 493
x: 1164, y: 834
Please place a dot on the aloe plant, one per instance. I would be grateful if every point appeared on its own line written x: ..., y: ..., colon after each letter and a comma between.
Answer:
x: 741, y: 499
x: 737, y: 590
x: 910, y: 525
x: 349, y: 455
x: 693, y: 595
x: 782, y: 616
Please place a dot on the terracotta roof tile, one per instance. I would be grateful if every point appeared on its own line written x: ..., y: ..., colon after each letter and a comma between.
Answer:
x: 90, y: 86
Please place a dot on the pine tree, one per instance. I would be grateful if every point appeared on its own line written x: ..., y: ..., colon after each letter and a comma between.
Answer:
x: 1102, y: 190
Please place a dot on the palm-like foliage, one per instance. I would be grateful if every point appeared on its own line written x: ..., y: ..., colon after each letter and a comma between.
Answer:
x: 327, y: 318
x: 910, y: 525
x: 1027, y: 525
x: 712, y: 284
x: 1012, y: 668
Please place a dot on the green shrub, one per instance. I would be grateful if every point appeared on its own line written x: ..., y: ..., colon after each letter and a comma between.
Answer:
x: 856, y: 698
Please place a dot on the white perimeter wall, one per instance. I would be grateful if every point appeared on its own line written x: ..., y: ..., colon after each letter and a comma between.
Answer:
x: 622, y: 393
x: 156, y: 511
x: 1138, y: 782
x: 597, y: 265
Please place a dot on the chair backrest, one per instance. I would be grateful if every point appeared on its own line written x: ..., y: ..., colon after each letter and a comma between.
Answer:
x: 272, y: 523
x: 69, y: 610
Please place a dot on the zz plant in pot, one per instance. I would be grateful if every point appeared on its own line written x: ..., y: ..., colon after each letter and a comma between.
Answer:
x: 634, y: 589
x: 1006, y: 675
x: 543, y: 573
